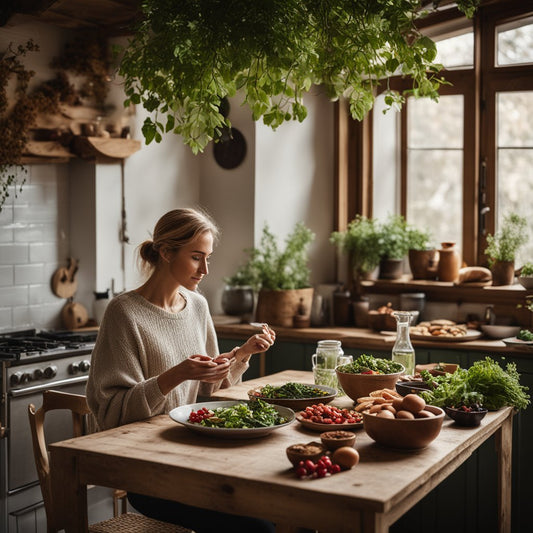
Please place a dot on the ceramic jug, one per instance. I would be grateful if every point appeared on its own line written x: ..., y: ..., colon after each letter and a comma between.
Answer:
x: 449, y: 262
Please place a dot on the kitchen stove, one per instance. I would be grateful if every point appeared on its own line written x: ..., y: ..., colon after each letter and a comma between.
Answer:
x: 31, y: 362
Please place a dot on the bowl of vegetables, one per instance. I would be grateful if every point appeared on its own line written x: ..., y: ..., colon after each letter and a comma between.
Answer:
x: 367, y: 374
x: 468, y: 416
x: 296, y: 396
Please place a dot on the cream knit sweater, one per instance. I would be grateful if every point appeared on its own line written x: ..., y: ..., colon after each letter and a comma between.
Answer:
x: 136, y: 342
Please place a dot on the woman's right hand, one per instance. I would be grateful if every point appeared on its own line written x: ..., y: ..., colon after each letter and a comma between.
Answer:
x: 199, y: 367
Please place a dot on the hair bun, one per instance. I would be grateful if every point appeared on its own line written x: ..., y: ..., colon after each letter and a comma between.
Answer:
x: 148, y: 252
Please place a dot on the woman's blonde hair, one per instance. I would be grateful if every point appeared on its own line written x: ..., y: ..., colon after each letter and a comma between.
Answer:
x: 174, y: 230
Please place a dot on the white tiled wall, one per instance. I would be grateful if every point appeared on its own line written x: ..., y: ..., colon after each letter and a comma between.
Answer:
x: 34, y: 231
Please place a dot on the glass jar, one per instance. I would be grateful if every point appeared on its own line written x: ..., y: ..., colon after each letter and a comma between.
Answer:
x: 329, y: 354
x: 403, y: 351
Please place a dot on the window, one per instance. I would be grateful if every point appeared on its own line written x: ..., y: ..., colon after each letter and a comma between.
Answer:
x: 457, y: 167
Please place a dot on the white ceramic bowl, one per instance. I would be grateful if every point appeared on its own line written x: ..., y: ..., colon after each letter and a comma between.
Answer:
x: 495, y: 331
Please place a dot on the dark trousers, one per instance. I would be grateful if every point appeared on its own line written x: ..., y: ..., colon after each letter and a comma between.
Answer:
x: 196, y: 518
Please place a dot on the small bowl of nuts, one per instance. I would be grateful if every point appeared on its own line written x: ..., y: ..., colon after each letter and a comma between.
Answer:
x: 337, y: 439
x: 301, y: 452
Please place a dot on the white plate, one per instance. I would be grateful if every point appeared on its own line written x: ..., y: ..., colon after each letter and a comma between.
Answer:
x: 471, y: 334
x: 513, y: 341
x: 181, y: 415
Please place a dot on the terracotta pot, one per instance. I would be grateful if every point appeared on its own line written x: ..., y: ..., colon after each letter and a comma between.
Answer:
x: 278, y: 308
x: 503, y: 273
x: 422, y: 263
x: 391, y: 268
x: 449, y: 262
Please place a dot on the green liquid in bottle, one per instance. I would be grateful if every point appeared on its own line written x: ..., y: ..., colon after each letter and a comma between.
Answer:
x: 406, y: 358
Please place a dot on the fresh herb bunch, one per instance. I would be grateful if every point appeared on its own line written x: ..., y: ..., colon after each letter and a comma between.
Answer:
x: 255, y: 414
x: 293, y: 391
x: 186, y: 56
x: 485, y: 383
x: 273, y: 268
x: 366, y: 362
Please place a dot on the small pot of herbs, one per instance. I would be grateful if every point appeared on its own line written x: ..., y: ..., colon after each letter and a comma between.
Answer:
x: 485, y: 383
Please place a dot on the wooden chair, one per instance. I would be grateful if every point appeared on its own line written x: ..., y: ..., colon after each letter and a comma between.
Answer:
x: 77, y: 404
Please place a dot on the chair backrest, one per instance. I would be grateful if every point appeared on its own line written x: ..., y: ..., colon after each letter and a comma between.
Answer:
x: 53, y: 400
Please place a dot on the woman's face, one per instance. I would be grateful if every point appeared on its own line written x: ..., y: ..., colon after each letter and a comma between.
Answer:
x: 189, y: 264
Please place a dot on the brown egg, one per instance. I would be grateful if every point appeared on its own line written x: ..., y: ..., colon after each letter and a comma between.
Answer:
x: 397, y: 403
x: 385, y: 414
x: 388, y: 407
x: 406, y: 415
x: 413, y: 403
x: 345, y: 457
x: 424, y: 414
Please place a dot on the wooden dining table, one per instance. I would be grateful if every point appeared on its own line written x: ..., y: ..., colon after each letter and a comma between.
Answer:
x: 253, y: 477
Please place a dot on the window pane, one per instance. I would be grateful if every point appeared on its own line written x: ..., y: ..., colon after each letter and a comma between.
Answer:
x: 385, y: 160
x: 436, y: 125
x: 456, y: 51
x: 515, y: 162
x: 515, y: 42
x: 515, y: 119
x: 435, y: 193
x: 435, y: 167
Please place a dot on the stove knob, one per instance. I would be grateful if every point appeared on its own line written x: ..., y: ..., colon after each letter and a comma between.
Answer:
x: 25, y: 378
x: 85, y: 365
x: 38, y: 373
x: 50, y: 371
x: 15, y: 379
x: 73, y: 368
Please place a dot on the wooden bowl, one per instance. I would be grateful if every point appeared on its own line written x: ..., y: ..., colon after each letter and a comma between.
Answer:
x: 301, y: 452
x: 337, y: 439
x: 359, y: 385
x: 411, y: 387
x: 404, y: 434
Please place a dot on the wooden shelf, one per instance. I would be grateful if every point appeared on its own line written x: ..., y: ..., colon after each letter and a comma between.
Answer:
x: 46, y: 152
x: 89, y: 147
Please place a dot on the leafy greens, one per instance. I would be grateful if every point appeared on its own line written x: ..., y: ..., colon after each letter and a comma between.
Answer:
x: 255, y: 414
x: 485, y: 382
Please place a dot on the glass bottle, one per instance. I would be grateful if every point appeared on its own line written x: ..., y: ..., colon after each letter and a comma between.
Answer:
x: 403, y: 351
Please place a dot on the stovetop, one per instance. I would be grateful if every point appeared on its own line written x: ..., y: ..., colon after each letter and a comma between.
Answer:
x: 33, y: 344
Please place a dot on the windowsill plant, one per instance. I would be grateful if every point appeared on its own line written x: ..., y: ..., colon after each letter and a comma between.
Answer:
x: 502, y: 248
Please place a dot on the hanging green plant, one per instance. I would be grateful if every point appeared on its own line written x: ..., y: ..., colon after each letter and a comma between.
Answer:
x: 186, y: 56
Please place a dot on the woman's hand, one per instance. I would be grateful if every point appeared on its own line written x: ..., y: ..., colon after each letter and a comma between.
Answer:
x: 199, y: 367
x: 256, y: 344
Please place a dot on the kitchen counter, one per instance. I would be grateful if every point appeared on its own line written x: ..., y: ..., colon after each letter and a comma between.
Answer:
x: 362, y: 338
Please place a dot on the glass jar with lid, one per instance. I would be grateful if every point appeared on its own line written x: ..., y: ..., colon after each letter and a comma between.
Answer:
x: 403, y: 351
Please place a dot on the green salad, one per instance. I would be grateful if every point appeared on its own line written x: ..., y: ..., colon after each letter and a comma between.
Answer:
x: 368, y: 364
x: 292, y: 391
x: 254, y: 414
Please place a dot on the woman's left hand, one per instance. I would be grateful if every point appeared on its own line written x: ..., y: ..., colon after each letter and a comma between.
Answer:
x: 257, y: 343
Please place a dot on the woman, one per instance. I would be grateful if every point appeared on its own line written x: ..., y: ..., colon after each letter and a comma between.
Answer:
x: 157, y: 349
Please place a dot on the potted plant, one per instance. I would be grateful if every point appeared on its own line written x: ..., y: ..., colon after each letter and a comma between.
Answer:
x: 360, y: 242
x: 502, y: 248
x: 280, y: 275
x: 238, y: 296
x: 422, y: 256
x: 394, y: 244
x: 525, y: 277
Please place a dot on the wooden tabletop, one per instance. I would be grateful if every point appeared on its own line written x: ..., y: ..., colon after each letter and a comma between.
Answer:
x: 253, y: 476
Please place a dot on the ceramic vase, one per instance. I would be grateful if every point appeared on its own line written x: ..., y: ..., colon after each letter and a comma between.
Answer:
x: 449, y: 262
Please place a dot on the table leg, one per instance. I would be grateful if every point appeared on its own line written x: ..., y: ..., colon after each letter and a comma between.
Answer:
x: 70, y: 498
x: 504, y: 449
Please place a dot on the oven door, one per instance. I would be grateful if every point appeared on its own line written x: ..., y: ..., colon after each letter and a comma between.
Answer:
x: 58, y: 426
